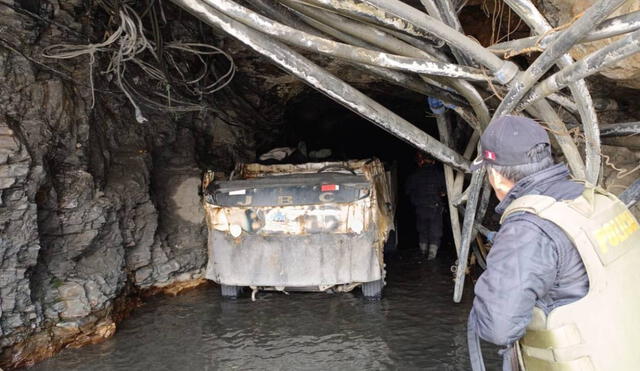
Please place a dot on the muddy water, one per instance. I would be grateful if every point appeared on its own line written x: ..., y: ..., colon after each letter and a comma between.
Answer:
x: 416, y: 326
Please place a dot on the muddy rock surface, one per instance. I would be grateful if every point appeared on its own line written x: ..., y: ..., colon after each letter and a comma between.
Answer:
x: 93, y: 205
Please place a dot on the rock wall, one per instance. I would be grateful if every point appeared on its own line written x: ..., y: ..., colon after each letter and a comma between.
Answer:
x: 93, y: 206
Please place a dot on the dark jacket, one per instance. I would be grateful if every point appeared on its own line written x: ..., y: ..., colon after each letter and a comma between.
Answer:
x: 426, y: 186
x: 532, y: 263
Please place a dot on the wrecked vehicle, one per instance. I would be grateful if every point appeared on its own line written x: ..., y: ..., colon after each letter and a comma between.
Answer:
x: 308, y: 227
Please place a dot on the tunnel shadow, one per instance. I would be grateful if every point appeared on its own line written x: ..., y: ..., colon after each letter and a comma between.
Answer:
x: 320, y: 123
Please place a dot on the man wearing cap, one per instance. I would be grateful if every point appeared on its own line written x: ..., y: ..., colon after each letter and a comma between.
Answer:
x: 561, y: 242
x: 532, y: 261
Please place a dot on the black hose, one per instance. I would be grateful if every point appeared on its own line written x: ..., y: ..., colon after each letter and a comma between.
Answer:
x: 584, y: 104
x: 504, y: 71
x: 332, y: 48
x: 631, y: 195
x: 467, y: 232
x: 611, y: 27
x: 586, y: 66
x: 619, y: 130
x: 473, y: 343
x: 327, y: 83
x: 480, y: 258
x: 591, y: 18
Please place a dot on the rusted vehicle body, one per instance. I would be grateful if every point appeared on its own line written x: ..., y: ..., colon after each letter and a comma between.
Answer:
x: 308, y: 227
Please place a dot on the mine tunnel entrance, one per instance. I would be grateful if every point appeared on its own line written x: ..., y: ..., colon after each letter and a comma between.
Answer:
x: 115, y: 109
x: 317, y: 123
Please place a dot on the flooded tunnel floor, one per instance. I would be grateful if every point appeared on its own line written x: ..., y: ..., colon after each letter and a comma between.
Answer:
x: 415, y: 326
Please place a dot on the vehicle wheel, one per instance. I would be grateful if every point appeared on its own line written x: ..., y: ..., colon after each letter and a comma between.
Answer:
x: 231, y: 292
x: 373, y: 290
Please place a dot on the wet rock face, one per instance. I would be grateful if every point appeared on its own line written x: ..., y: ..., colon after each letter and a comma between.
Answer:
x: 19, y: 241
x: 93, y: 205
x: 179, y: 249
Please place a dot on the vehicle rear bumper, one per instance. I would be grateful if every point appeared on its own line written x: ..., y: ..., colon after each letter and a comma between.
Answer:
x: 292, y: 260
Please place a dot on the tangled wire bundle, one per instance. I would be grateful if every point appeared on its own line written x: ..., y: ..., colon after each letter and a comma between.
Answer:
x: 127, y: 47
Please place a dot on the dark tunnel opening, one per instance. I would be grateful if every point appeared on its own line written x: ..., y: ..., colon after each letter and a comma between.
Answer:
x: 316, y: 122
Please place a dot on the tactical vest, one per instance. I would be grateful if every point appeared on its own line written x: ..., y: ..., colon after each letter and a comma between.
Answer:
x: 601, y: 331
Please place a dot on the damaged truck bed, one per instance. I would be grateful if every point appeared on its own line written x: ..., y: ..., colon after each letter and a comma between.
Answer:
x: 309, y: 227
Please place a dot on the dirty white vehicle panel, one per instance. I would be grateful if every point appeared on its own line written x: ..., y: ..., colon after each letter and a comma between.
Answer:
x: 314, y: 226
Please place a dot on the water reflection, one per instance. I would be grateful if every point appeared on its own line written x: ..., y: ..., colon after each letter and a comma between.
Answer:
x: 416, y: 326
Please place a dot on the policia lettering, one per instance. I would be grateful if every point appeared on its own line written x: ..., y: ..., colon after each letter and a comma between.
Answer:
x: 616, y: 231
x: 573, y: 337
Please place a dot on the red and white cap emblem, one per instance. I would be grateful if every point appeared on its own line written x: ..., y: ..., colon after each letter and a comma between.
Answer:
x: 489, y: 155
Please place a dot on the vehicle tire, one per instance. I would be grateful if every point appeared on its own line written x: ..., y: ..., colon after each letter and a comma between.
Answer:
x: 373, y: 290
x: 231, y: 292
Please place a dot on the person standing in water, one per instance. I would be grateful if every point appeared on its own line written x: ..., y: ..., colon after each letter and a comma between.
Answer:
x: 426, y: 189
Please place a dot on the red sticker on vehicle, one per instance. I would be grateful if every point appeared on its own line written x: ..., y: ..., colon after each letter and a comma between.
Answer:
x: 329, y: 187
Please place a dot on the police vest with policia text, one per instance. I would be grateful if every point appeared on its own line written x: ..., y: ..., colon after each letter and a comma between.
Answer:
x: 600, y: 331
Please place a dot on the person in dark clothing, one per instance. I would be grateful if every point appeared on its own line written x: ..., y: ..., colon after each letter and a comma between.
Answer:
x: 532, y: 262
x: 426, y: 188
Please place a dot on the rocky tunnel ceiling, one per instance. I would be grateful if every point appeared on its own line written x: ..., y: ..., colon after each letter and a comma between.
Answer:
x: 97, y: 208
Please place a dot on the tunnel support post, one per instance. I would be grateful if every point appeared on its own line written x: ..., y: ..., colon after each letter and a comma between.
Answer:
x: 443, y: 129
x: 467, y: 232
x: 335, y: 88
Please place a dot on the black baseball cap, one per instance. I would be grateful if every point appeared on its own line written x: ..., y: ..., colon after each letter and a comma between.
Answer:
x: 507, y: 140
